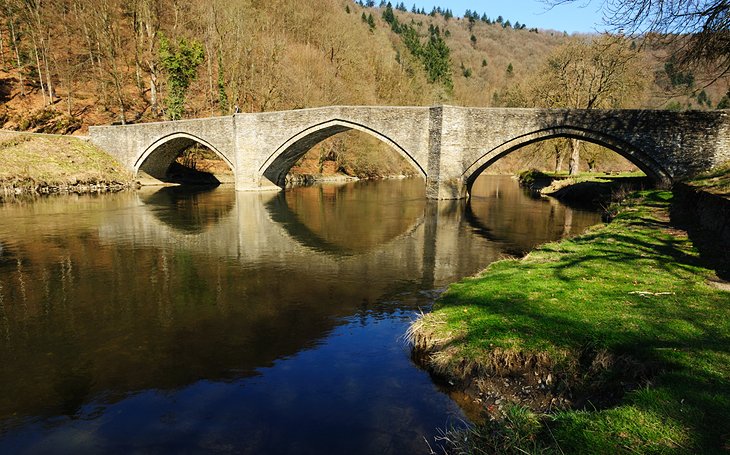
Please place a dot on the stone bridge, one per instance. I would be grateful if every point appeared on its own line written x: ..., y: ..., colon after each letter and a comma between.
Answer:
x: 449, y: 146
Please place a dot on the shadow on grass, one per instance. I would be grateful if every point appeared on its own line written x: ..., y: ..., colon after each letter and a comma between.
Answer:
x: 633, y: 290
x: 691, y: 206
x: 679, y: 370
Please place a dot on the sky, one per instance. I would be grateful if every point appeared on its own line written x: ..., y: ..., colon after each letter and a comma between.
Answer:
x: 578, y: 16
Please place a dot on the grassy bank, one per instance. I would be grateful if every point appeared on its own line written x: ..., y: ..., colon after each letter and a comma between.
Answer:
x: 615, y: 341
x: 48, y: 163
x: 587, y: 189
x: 716, y: 181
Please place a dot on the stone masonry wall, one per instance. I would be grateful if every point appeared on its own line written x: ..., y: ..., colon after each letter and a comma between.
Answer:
x: 449, y: 145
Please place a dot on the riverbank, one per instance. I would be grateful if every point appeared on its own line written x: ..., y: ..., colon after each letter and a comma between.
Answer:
x: 40, y: 164
x: 613, y: 341
x: 588, y: 189
x: 310, y: 179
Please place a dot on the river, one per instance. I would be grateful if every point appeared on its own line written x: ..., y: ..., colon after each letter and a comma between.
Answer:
x: 179, y: 320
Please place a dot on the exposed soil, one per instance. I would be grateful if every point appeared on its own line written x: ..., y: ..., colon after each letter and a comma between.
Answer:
x: 589, y: 379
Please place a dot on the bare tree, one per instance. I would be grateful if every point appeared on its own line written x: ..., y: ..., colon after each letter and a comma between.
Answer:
x: 2, y: 45
x: 147, y: 24
x: 601, y: 74
x: 110, y: 48
x: 40, y: 33
x: 10, y: 11
x: 701, y: 29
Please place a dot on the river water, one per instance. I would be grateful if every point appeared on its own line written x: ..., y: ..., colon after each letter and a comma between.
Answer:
x: 188, y: 321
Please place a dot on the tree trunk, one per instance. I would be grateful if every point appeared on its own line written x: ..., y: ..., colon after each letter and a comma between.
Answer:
x: 17, y: 58
x: 95, y: 64
x: 40, y: 70
x: 44, y: 45
x: 116, y: 76
x: 211, y: 96
x: 49, y: 83
x: 2, y: 50
x: 153, y: 90
x: 67, y: 74
x: 574, y: 163
x: 138, y: 38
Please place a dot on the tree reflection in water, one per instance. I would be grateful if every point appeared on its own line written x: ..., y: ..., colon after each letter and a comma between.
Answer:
x: 250, y: 313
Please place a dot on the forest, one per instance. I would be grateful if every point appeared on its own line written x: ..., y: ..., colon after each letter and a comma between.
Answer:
x: 68, y: 64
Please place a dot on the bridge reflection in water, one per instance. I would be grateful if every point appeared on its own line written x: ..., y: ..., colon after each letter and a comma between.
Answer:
x: 185, y: 292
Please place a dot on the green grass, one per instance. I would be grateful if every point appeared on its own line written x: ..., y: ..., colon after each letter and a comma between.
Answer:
x: 30, y: 161
x: 715, y: 181
x: 634, y: 289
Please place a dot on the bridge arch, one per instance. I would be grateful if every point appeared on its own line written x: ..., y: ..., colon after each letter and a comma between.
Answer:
x: 278, y: 163
x: 157, y: 158
x: 652, y: 168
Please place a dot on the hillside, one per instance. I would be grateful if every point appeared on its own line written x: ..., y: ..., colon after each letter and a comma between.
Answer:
x: 73, y: 63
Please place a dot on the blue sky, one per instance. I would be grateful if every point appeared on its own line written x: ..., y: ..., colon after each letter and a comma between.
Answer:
x: 578, y: 16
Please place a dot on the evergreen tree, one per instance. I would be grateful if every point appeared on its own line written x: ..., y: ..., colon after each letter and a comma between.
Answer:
x: 371, y: 21
x: 724, y: 102
x: 473, y: 40
x: 677, y: 77
x: 222, y: 95
x: 180, y: 62
x: 703, y: 99
x: 388, y: 15
x: 436, y: 59
x: 411, y: 41
x: 510, y: 70
x: 471, y: 23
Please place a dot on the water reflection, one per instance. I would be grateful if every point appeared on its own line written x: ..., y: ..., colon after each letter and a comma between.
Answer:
x: 252, y: 322
x: 189, y: 209
x: 349, y: 218
x: 501, y: 211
